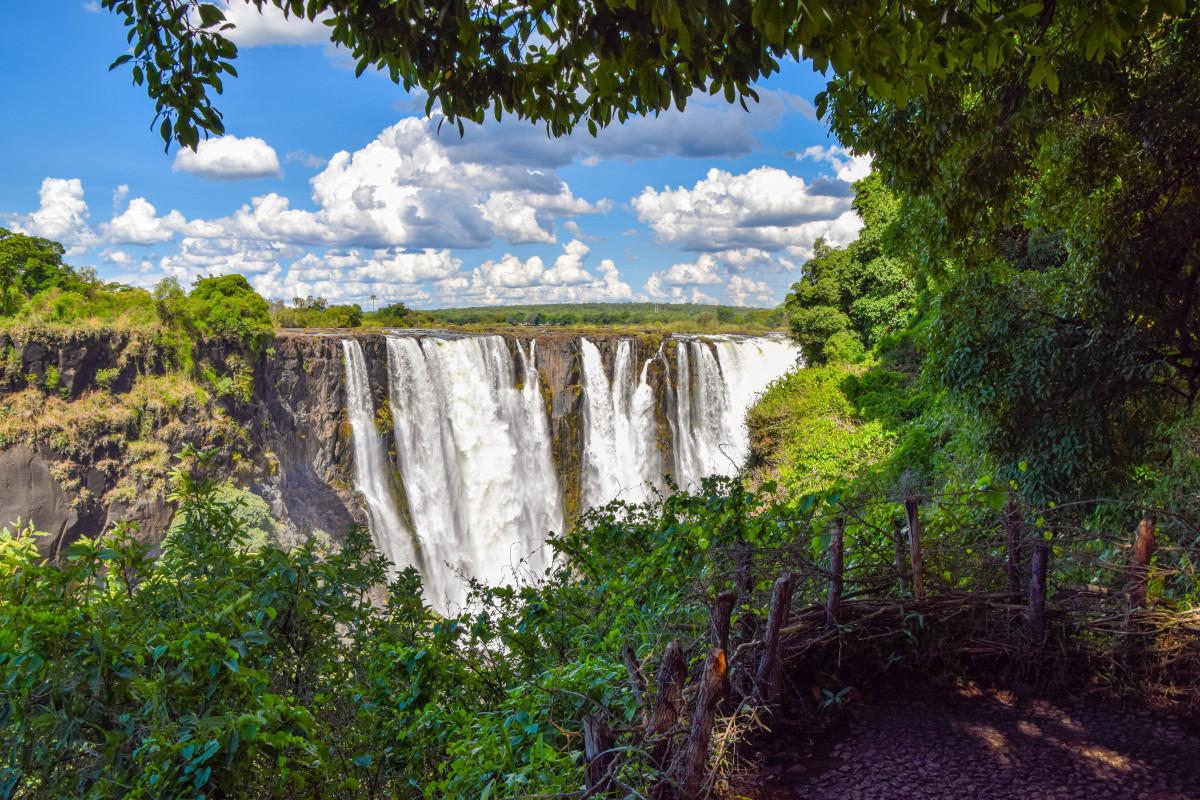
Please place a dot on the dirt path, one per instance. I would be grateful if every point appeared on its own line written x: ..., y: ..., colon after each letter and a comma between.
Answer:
x: 982, y: 747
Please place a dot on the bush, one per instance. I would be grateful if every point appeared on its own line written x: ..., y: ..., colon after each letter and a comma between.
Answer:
x: 226, y: 306
x: 843, y: 347
x: 105, y: 378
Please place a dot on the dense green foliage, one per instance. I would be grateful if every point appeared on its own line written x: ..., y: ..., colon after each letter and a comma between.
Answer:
x: 231, y: 668
x: 38, y: 287
x: 566, y: 64
x: 1052, y: 226
x: 316, y: 312
x: 850, y: 298
x: 227, y: 306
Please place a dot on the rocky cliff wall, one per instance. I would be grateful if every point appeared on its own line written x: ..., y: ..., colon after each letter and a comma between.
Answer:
x: 89, y: 422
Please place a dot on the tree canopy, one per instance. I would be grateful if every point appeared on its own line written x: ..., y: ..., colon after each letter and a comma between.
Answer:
x: 566, y: 63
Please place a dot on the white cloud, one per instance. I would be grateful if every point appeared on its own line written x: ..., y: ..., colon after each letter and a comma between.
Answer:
x: 765, y: 208
x: 229, y: 158
x: 655, y: 289
x: 510, y: 279
x: 198, y: 256
x: 407, y: 189
x: 681, y: 282
x: 847, y: 166
x: 382, y: 220
x: 703, y: 271
x: 753, y: 258
x: 743, y: 291
x: 253, y: 29
x: 355, y: 275
x: 62, y: 214
x: 139, y: 223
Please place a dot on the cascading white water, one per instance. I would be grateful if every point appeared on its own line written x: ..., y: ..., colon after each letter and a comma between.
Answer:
x: 473, y: 442
x: 717, y: 382
x: 620, y: 457
x: 391, y: 536
x: 474, y: 452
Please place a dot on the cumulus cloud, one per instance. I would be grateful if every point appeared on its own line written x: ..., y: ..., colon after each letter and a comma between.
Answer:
x: 254, y: 29
x: 743, y: 291
x: 511, y: 279
x: 656, y: 290
x: 62, y: 214
x: 703, y: 271
x: 765, y: 208
x: 139, y: 223
x: 229, y: 158
x: 847, y: 166
x: 355, y: 275
x: 681, y: 282
x: 407, y: 188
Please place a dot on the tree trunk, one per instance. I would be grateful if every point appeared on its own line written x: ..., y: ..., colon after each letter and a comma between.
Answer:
x: 695, y: 757
x: 768, y: 665
x: 914, y: 547
x: 833, y: 602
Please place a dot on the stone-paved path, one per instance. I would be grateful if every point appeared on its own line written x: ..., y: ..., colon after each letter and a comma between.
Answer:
x: 982, y: 747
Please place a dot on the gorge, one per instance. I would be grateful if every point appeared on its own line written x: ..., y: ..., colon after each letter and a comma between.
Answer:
x: 460, y: 451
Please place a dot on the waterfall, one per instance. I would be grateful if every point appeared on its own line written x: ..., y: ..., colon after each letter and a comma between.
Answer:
x: 371, y: 467
x: 473, y: 442
x: 620, y: 457
x: 474, y: 450
x: 717, y: 381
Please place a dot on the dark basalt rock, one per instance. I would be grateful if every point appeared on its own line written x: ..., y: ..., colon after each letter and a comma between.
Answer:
x: 294, y: 448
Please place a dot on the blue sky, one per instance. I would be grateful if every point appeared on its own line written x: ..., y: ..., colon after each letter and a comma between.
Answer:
x: 340, y: 187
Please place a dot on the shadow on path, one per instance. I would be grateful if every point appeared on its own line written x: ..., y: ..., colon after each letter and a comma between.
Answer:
x: 985, y: 747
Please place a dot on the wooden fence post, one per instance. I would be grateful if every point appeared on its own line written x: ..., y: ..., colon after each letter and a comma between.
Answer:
x: 597, y: 752
x: 637, y: 683
x: 1143, y: 549
x: 721, y: 612
x: 914, y: 547
x: 1013, y: 526
x: 1037, y: 587
x: 744, y: 578
x: 668, y: 702
x: 901, y: 558
x: 833, y: 602
x: 768, y: 665
x: 695, y: 756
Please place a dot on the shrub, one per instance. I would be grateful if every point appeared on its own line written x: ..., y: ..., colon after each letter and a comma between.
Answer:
x: 105, y: 378
x: 226, y: 306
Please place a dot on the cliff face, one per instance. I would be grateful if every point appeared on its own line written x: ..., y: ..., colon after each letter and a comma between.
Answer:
x: 89, y: 422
